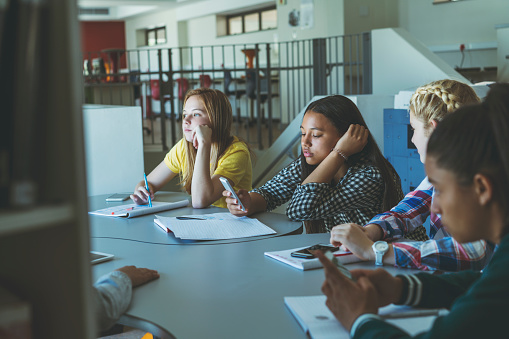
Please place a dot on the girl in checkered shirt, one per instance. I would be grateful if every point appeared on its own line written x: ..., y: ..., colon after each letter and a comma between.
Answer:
x: 340, y: 176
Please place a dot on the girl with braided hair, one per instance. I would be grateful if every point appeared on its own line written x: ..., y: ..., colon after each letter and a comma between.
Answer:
x: 436, y: 250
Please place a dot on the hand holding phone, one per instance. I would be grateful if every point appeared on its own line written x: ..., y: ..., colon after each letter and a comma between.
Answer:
x: 342, y: 268
x: 229, y: 188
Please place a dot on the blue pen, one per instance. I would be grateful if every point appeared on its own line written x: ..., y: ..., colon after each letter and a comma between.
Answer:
x: 148, y: 190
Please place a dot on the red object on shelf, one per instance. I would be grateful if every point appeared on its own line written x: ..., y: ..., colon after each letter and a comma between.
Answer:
x: 462, y: 47
x: 112, y: 63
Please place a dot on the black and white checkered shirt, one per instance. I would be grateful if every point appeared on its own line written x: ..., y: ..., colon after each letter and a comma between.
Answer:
x: 355, y: 199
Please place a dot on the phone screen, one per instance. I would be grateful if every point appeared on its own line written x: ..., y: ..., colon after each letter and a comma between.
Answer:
x: 307, y: 253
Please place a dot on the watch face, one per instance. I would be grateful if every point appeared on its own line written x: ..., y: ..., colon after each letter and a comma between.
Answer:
x: 381, y: 246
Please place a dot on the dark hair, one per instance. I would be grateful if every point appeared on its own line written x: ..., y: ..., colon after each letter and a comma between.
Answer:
x: 474, y: 139
x: 342, y: 113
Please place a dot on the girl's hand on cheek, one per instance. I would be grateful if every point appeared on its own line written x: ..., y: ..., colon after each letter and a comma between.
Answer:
x: 202, y: 135
x: 353, y: 141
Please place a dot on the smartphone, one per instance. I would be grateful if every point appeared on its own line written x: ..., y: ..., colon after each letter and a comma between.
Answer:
x: 97, y: 257
x: 307, y: 253
x: 118, y: 197
x: 229, y: 188
x: 342, y: 268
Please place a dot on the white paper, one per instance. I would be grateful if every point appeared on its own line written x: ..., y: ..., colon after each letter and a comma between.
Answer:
x: 215, y: 226
x: 317, y: 320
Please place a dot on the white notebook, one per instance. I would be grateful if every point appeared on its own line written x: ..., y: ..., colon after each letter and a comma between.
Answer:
x: 319, y: 323
x: 133, y: 210
x: 308, y: 264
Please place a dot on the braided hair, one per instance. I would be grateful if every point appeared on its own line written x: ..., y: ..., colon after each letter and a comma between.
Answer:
x: 434, y: 100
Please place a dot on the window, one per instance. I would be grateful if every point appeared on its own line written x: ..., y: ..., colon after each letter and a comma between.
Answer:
x: 269, y: 19
x: 252, y: 21
x: 155, y: 36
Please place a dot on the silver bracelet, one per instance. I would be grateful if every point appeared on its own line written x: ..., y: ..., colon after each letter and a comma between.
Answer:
x: 340, y: 153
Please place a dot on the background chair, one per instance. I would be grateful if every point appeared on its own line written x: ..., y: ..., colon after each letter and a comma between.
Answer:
x: 205, y: 80
x: 155, y: 91
x: 183, y: 87
x: 237, y: 94
x: 251, y: 92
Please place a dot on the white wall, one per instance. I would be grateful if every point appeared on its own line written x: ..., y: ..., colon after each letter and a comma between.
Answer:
x: 503, y: 52
x: 401, y: 62
x: 446, y: 26
x: 366, y: 15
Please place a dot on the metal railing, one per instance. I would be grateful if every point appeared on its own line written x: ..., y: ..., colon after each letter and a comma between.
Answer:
x: 268, y: 83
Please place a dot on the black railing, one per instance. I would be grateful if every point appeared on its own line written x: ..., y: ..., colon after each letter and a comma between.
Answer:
x: 268, y: 83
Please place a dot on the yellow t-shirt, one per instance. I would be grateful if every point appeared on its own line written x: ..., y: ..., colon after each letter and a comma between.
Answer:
x: 235, y: 165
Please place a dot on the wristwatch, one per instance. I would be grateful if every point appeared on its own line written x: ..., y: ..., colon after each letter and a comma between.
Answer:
x: 380, y: 248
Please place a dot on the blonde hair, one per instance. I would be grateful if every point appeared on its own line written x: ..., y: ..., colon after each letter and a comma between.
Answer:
x: 434, y: 100
x: 219, y: 112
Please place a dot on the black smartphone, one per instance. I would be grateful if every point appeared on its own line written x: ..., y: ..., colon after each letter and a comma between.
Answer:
x: 307, y: 253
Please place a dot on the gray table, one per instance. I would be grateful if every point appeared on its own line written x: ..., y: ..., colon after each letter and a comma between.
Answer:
x: 143, y: 229
x: 224, y: 291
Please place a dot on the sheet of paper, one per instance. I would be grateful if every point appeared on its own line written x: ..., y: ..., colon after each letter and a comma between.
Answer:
x: 215, y: 226
x: 319, y: 322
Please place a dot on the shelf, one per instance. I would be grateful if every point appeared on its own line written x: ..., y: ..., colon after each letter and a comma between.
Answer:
x: 36, y: 218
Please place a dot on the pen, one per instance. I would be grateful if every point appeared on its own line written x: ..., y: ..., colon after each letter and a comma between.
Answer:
x: 416, y: 313
x: 148, y: 190
x: 188, y: 218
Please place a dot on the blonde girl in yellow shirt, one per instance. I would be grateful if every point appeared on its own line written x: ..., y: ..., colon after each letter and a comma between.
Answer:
x: 206, y: 152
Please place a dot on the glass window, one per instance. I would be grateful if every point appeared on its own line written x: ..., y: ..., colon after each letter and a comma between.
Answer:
x: 235, y: 25
x: 151, y: 38
x: 252, y: 22
x: 161, y: 35
x: 269, y: 19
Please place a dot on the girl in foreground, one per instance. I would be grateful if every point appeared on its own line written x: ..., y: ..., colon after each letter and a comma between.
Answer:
x: 341, y: 175
x: 207, y: 151
x: 468, y: 163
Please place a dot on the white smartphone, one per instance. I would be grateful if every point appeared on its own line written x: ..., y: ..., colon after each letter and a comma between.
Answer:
x: 342, y: 268
x: 97, y: 257
x: 229, y: 188
x: 118, y: 197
